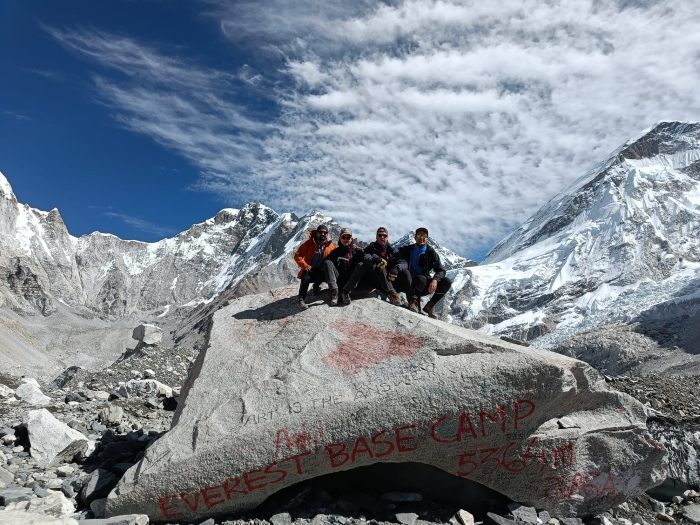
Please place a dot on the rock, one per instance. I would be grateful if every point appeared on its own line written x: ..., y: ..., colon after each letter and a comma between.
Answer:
x: 30, y: 393
x: 6, y: 392
x: 51, y: 441
x: 111, y: 415
x: 14, y: 493
x: 127, y: 519
x: 499, y: 520
x: 17, y: 517
x: 567, y: 422
x: 101, y: 395
x: 464, y: 517
x: 401, y: 497
x: 149, y: 374
x: 210, y: 521
x: 98, y: 507
x: 657, y: 506
x: 545, y: 517
x: 677, y: 500
x: 55, y: 504
x: 282, y: 518
x: 148, y: 334
x: 64, y: 470
x: 271, y: 403
x: 407, y: 518
x: 523, y: 513
x: 571, y: 521
x: 98, y: 485
x: 689, y: 512
x: 665, y: 517
x: 691, y: 494
x: 141, y: 387
x: 74, y: 397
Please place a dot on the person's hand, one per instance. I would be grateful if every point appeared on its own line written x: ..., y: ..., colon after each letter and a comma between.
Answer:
x: 392, y: 276
x: 382, y: 264
x: 432, y: 286
x: 309, y: 268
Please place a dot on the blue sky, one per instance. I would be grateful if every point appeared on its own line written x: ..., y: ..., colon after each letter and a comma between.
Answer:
x: 140, y: 118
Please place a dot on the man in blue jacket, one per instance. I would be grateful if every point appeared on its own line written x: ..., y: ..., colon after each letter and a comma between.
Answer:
x: 412, y: 274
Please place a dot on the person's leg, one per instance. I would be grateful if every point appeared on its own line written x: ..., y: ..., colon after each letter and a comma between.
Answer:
x: 330, y: 273
x: 306, y: 279
x: 420, y: 285
x: 443, y: 286
x: 360, y: 270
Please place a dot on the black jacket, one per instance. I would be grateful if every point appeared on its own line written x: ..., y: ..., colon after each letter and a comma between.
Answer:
x: 430, y: 261
x: 375, y: 253
x: 345, y: 259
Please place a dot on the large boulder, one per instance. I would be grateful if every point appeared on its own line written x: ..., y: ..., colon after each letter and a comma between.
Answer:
x: 30, y: 392
x: 280, y: 396
x: 148, y: 334
x: 51, y: 440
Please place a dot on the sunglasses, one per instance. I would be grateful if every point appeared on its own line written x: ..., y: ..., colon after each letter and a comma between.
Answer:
x: 382, y: 235
x: 322, y: 233
x: 346, y: 237
x: 421, y: 236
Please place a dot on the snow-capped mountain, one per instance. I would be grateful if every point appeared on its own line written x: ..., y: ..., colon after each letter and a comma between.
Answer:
x: 620, y: 245
x: 113, y: 277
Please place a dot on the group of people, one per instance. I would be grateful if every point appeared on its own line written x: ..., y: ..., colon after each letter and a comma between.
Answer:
x: 415, y: 269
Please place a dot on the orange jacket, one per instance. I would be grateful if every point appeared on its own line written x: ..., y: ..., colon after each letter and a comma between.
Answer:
x: 306, y: 252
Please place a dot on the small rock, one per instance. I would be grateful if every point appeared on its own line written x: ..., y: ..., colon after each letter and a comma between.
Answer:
x: 64, y: 470
x: 526, y: 514
x: 111, y: 415
x: 210, y: 521
x: 665, y: 517
x: 283, y: 518
x: 101, y: 395
x: 98, y: 485
x: 13, y: 494
x: 407, y: 518
x: 545, y: 517
x: 500, y: 520
x: 149, y: 374
x: 567, y: 422
x: 98, y: 507
x: 29, y: 392
x: 657, y: 506
x: 691, y: 513
x: 74, y: 397
x: 6, y: 392
x: 677, y: 500
x: 464, y: 517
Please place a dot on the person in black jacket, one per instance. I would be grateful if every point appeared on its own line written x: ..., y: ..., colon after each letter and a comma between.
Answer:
x: 412, y: 274
x: 340, y: 264
x: 372, y: 271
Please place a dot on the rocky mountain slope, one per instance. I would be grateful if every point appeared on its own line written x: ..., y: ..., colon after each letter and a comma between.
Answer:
x: 619, y: 248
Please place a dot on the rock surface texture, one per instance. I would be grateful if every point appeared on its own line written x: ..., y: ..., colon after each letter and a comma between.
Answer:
x: 148, y: 334
x: 280, y: 396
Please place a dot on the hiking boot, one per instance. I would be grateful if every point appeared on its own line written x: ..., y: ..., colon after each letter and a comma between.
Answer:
x: 302, y: 304
x: 394, y: 299
x: 334, y: 297
x: 429, y: 309
x: 414, y: 306
x: 346, y: 297
x: 317, y: 289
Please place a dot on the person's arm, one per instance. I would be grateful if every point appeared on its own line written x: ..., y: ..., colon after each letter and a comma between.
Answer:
x: 299, y: 256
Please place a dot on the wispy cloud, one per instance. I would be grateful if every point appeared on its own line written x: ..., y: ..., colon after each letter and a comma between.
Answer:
x: 464, y: 116
x: 51, y: 75
x: 15, y: 115
x: 142, y: 225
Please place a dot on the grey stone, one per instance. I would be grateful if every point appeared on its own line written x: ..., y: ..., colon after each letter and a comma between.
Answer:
x: 657, y: 506
x: 210, y: 521
x: 283, y: 518
x: 566, y: 422
x: 499, y: 520
x: 400, y: 497
x: 6, y: 392
x: 17, y: 517
x: 464, y: 517
x: 98, y: 507
x: 111, y: 415
x: 677, y: 500
x: 370, y: 366
x: 544, y: 516
x: 29, y: 392
x: 407, y: 518
x: 691, y: 513
x: 571, y: 521
x: 125, y: 519
x: 98, y: 485
x: 522, y: 513
x: 141, y: 387
x: 148, y: 334
x: 74, y: 396
x: 53, y: 504
x: 14, y: 493
x: 6, y: 477
x: 51, y: 440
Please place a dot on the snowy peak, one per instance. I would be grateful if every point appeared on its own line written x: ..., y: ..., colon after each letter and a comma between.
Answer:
x: 5, y: 189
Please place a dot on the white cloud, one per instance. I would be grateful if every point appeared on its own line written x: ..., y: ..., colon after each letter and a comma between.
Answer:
x: 461, y: 116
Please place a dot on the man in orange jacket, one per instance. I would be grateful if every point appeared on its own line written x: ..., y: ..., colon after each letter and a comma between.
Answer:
x: 309, y: 257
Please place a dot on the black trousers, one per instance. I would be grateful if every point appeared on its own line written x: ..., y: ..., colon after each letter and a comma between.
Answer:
x: 372, y: 275
x: 315, y: 276
x: 416, y: 286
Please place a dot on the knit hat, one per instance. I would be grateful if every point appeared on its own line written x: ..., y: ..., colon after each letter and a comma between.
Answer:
x: 382, y: 229
x: 418, y: 230
x: 345, y: 231
x: 322, y: 228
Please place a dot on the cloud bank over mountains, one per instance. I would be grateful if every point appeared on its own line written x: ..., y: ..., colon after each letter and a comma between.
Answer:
x: 463, y: 116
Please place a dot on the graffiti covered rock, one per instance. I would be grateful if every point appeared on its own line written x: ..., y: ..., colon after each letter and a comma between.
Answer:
x: 280, y: 396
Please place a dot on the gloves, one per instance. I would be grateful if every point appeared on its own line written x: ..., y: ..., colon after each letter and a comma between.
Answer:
x: 392, y: 276
x: 382, y: 264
